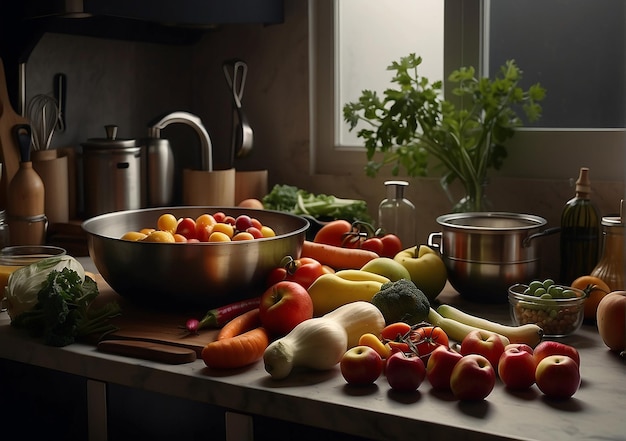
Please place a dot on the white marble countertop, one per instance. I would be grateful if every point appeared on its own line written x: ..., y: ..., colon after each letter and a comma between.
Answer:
x: 325, y: 401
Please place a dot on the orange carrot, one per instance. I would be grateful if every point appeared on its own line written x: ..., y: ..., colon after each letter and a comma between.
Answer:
x: 240, y: 324
x: 238, y: 351
x: 337, y: 257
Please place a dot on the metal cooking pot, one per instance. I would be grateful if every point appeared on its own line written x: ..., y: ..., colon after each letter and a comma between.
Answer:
x: 486, y: 252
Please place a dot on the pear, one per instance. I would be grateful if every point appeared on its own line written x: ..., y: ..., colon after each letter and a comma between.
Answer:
x: 387, y: 267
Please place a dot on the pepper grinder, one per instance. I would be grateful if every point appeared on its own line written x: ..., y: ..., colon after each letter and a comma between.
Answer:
x: 396, y: 214
x: 25, y: 199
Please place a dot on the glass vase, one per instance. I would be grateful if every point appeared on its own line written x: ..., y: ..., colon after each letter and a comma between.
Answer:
x: 475, y: 200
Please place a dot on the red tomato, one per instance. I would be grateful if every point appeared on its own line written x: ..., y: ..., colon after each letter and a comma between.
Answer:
x: 276, y: 275
x: 333, y: 232
x: 394, y: 331
x: 307, y: 271
x: 373, y: 244
x: 187, y: 228
x: 303, y: 271
x: 398, y: 346
x: 427, y: 338
x: 391, y: 245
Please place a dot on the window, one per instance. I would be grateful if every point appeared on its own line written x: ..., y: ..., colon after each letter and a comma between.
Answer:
x: 482, y: 34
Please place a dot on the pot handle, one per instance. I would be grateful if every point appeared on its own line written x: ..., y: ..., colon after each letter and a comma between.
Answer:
x: 432, y: 237
x: 547, y: 232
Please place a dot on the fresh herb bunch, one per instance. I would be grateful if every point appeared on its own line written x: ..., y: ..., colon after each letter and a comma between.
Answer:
x: 412, y: 123
x: 294, y: 200
x: 63, y: 311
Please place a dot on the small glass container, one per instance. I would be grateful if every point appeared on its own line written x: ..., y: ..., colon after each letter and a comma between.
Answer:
x: 611, y: 268
x: 558, y: 317
x: 15, y: 257
x: 396, y: 214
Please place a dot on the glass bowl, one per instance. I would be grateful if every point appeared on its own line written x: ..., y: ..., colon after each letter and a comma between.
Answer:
x: 22, y: 255
x: 557, y: 316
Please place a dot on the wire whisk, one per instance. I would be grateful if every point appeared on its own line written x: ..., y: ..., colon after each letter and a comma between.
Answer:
x: 43, y: 113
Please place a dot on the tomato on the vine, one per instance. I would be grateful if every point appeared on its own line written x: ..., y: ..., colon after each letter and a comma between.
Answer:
x: 395, y: 331
x: 333, y: 232
x: 306, y: 272
x: 427, y: 338
x: 373, y: 244
x: 303, y: 271
x: 392, y: 245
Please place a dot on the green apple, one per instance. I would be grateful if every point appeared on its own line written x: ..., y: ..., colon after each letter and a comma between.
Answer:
x: 426, y: 268
x: 387, y: 267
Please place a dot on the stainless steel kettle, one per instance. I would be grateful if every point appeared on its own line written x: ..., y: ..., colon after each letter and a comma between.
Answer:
x: 160, y: 159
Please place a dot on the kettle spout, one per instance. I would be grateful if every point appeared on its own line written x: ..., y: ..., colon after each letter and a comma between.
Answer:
x: 206, y: 149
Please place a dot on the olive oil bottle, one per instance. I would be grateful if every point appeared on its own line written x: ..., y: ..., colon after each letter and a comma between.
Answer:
x: 396, y: 214
x: 580, y: 232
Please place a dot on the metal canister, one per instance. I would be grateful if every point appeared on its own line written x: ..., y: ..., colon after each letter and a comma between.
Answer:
x: 113, y: 171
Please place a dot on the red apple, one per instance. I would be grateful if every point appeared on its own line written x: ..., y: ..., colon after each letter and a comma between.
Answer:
x: 485, y: 343
x: 516, y: 367
x: 558, y: 376
x: 439, y: 367
x: 283, y: 306
x: 520, y: 346
x: 473, y: 378
x: 361, y: 365
x: 405, y: 372
x: 547, y: 347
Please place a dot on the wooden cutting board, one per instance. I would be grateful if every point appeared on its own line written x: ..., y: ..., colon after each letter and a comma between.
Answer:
x: 9, y: 151
x: 161, y: 332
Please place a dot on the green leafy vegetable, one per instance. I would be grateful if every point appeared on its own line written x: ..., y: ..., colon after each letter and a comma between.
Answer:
x: 24, y: 284
x: 412, y: 123
x: 291, y: 199
x: 63, y: 311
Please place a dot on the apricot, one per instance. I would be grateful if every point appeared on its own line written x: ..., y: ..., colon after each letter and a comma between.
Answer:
x: 611, y: 319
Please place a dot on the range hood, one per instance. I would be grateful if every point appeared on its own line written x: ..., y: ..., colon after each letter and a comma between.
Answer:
x: 194, y: 13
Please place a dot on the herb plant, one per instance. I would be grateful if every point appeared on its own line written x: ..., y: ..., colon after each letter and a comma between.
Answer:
x: 412, y: 124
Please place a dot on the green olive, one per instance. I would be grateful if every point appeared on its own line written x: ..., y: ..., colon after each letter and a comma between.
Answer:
x: 534, y: 285
x: 548, y: 283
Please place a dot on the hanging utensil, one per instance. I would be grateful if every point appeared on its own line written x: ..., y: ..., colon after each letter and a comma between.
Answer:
x: 43, y: 112
x: 60, y: 92
x: 236, y: 72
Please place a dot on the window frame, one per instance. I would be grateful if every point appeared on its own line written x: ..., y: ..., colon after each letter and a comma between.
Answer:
x: 464, y: 31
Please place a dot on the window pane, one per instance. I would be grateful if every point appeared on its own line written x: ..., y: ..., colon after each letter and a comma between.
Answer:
x: 373, y: 33
x: 574, y: 48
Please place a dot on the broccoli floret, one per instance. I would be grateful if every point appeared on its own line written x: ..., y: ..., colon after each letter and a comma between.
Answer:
x: 402, y: 301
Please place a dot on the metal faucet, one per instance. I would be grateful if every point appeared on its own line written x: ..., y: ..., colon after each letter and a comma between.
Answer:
x: 206, y: 153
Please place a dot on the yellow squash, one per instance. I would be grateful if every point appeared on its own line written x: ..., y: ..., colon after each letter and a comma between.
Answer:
x: 331, y: 291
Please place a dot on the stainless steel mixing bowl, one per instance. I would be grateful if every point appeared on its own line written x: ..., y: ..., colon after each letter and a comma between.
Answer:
x: 179, y: 275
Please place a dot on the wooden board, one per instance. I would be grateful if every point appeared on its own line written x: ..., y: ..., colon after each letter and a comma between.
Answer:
x: 137, y: 323
x: 9, y: 152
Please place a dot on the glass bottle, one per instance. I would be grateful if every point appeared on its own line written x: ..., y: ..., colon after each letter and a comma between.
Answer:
x: 611, y: 268
x: 396, y: 214
x: 580, y: 232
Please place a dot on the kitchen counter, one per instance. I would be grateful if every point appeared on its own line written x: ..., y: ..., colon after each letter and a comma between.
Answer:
x: 323, y: 399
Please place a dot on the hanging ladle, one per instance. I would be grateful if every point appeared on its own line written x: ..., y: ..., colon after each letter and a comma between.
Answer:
x: 235, y: 72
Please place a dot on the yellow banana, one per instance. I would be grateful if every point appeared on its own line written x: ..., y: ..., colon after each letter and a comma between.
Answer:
x: 356, y: 275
